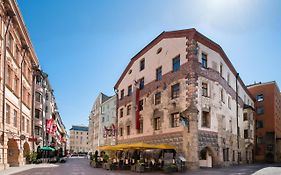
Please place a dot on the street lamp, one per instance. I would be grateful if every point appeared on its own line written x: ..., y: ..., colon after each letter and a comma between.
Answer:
x: 10, y: 14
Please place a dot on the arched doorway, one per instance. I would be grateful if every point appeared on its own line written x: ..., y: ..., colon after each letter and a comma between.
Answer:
x: 26, y: 149
x: 13, y: 153
x: 207, y: 157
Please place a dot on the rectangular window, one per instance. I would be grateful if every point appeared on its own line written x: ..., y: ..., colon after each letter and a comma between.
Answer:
x: 22, y: 123
x: 37, y: 113
x: 128, y: 109
x: 38, y: 97
x: 9, y: 76
x: 259, y: 140
x: 246, y: 134
x: 37, y: 131
x: 15, y: 118
x: 259, y: 97
x: 260, y: 110
x: 128, y: 130
x: 157, y: 98
x: 205, y: 89
x: 221, y: 67
x: 8, y: 114
x: 121, y: 112
x: 204, y: 61
x: 175, y: 91
x: 121, y: 131
x: 229, y: 102
x: 122, y: 94
x: 141, y: 126
x: 157, y: 123
x: 175, y: 120
x: 27, y: 126
x: 228, y: 78
x: 10, y: 41
x: 140, y: 105
x: 159, y: 74
x: 259, y: 124
x: 130, y: 90
x: 141, y: 83
x: 16, y: 85
x: 206, y: 119
x: 142, y: 64
x: 222, y: 96
x: 245, y: 116
x: 176, y: 64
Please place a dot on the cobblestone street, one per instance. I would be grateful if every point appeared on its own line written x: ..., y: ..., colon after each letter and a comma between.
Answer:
x: 80, y: 166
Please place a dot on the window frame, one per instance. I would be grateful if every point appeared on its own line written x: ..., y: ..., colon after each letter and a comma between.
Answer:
x: 175, y: 91
x: 159, y: 73
x: 204, y: 60
x: 176, y: 63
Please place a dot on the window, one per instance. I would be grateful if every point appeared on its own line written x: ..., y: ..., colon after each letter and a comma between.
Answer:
x: 205, y: 119
x: 121, y: 112
x: 175, y: 120
x: 229, y: 102
x: 8, y: 114
x: 159, y: 74
x: 245, y: 116
x: 225, y: 154
x: 260, y: 110
x: 157, y: 123
x: 122, y: 94
x: 130, y: 90
x: 121, y: 131
x: 38, y: 97
x: 37, y: 131
x: 221, y: 67
x: 204, y: 60
x: 259, y: 140
x: 27, y: 126
x: 222, y: 96
x: 141, y: 126
x: 16, y: 84
x: 176, y: 64
x: 175, y: 91
x: 141, y: 84
x: 259, y: 97
x: 140, y: 105
x: 205, y: 89
x: 228, y: 78
x: 15, y: 118
x: 10, y: 41
x: 47, y: 96
x: 142, y: 64
x: 128, y: 109
x: 37, y: 113
x: 246, y: 134
x: 157, y: 98
x: 9, y: 76
x: 22, y: 123
x: 128, y: 130
x: 259, y: 124
x: 46, y: 109
x: 233, y: 156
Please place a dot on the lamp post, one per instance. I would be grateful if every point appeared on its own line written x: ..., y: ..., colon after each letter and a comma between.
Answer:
x: 10, y: 14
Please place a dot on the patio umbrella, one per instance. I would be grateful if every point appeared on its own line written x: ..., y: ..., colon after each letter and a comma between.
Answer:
x: 46, y: 148
x: 141, y: 145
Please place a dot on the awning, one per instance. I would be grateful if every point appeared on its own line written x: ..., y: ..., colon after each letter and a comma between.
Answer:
x: 139, y: 145
x: 47, y: 148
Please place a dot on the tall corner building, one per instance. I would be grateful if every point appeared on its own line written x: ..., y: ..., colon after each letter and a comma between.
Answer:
x: 181, y: 89
x: 268, y: 121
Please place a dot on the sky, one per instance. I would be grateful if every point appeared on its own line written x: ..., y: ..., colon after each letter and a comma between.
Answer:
x: 85, y: 45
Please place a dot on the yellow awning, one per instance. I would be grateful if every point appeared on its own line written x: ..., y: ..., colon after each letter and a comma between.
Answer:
x: 165, y: 146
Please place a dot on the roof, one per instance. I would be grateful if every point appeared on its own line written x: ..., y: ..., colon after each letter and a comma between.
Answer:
x: 264, y: 84
x: 79, y: 128
x: 191, y: 33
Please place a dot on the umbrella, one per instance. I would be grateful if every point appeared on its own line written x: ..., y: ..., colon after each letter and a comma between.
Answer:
x: 141, y: 145
x: 47, y: 148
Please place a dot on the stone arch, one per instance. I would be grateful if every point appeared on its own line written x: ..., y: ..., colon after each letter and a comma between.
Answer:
x: 26, y: 149
x: 208, y: 157
x: 13, y: 153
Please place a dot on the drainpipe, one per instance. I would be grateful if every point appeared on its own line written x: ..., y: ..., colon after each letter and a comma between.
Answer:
x: 237, y: 116
x: 25, y: 48
x: 10, y: 15
x: 34, y: 73
x: 116, y: 120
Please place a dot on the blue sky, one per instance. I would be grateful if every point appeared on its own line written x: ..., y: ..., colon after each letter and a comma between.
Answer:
x: 85, y: 45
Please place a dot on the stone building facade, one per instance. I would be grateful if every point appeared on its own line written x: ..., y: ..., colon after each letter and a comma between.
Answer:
x: 79, y: 141
x: 268, y: 121
x: 102, y: 122
x: 181, y: 89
